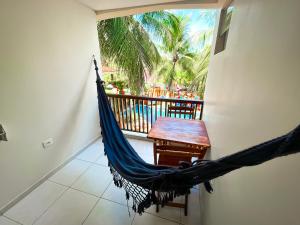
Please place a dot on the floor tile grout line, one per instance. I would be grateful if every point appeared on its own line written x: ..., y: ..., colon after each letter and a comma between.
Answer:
x: 83, y: 172
x: 75, y: 189
x: 68, y: 188
x: 101, y: 197
x: 95, y: 204
x: 114, y: 202
x: 11, y: 219
x: 90, y: 164
x: 50, y: 205
x: 133, y: 219
x: 106, y: 188
x: 101, y: 156
x: 97, y: 196
x: 170, y: 220
x: 58, y: 183
x: 94, y: 162
x: 126, y: 206
x: 98, y: 199
x: 89, y: 213
x: 45, y: 177
x: 97, y: 164
x: 47, y: 207
x: 180, y: 216
x: 83, y: 191
x: 156, y: 215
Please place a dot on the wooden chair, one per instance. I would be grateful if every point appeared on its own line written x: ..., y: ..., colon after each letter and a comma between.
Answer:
x: 171, y: 155
x: 187, y: 111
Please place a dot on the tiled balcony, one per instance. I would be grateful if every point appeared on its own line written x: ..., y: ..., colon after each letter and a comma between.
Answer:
x: 82, y: 192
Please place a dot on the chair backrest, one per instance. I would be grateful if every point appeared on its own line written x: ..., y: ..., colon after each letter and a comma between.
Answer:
x: 187, y: 112
x: 172, y: 154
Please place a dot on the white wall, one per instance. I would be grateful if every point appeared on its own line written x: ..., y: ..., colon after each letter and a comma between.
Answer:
x: 253, y: 95
x: 47, y: 88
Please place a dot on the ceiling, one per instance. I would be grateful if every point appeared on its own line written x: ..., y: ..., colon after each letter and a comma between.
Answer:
x: 98, y: 5
x: 114, y: 8
x: 103, y: 5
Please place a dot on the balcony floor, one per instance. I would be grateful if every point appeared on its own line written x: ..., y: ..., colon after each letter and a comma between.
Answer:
x: 82, y: 192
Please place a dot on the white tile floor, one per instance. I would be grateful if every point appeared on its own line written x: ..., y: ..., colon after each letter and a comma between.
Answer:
x: 82, y: 192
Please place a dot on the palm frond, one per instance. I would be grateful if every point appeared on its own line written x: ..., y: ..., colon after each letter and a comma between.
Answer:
x: 125, y: 42
x: 201, y: 71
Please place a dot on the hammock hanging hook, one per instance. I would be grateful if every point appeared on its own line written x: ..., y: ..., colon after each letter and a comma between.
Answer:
x: 98, y: 79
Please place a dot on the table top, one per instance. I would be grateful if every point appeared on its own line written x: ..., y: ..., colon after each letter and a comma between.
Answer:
x: 180, y: 130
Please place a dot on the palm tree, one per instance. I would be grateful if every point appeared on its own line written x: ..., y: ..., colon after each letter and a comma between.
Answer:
x: 177, y: 50
x: 200, y: 70
x: 125, y: 42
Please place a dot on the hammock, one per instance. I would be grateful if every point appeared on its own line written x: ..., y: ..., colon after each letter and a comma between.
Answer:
x: 148, y: 184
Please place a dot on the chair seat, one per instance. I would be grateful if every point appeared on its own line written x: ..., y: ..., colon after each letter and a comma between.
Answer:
x: 169, y: 160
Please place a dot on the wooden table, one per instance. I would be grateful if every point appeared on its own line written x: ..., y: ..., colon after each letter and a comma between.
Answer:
x: 185, y: 136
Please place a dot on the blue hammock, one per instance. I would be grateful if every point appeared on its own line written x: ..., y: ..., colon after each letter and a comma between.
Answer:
x: 148, y: 184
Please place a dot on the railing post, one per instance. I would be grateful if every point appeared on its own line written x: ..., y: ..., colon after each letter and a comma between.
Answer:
x: 143, y: 119
x: 201, y: 110
x: 134, y: 113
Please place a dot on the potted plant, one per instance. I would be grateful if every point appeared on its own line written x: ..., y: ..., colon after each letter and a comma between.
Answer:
x: 120, y: 85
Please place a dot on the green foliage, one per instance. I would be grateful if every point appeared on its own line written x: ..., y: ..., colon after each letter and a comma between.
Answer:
x: 200, y: 72
x: 117, y: 76
x: 120, y: 84
x: 179, y: 57
x: 125, y: 42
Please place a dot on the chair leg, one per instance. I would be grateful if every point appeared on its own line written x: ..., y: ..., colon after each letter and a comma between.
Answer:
x: 154, y: 153
x: 157, y: 205
x: 186, y: 204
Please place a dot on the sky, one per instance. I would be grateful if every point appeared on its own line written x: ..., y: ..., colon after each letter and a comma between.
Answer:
x: 199, y: 21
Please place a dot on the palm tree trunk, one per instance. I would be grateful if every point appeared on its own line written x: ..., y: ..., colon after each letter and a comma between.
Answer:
x: 172, y: 75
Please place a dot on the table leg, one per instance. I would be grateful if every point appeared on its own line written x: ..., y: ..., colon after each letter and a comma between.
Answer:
x: 154, y: 153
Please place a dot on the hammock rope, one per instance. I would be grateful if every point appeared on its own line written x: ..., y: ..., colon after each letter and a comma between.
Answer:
x: 148, y: 184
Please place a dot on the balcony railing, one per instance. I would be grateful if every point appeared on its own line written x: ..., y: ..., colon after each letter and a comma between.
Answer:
x: 138, y: 113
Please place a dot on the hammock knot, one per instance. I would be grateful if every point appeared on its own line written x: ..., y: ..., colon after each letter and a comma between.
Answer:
x: 184, y: 164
